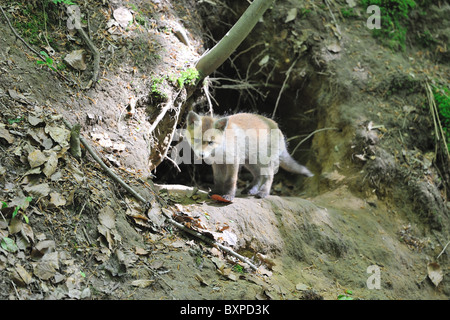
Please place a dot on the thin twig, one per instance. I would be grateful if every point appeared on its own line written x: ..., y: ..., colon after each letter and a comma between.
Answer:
x: 210, y: 241
x: 443, y: 250
x: 15, y: 289
x: 334, y: 18
x: 160, y: 116
x: 309, y: 136
x: 208, y: 95
x: 96, y: 54
x: 283, y: 86
x: 173, y: 162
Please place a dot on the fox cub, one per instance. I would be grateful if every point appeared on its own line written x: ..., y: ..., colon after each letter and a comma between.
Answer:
x: 243, y: 139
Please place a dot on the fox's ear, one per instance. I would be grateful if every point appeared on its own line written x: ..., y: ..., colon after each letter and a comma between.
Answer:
x: 192, y: 117
x: 221, y: 124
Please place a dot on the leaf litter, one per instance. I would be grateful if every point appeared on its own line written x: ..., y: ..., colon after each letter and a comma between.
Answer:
x: 51, y: 182
x: 46, y: 140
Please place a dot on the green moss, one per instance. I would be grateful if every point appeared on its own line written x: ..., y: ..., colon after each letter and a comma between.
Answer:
x: 348, y: 13
x: 442, y: 99
x: 157, y: 87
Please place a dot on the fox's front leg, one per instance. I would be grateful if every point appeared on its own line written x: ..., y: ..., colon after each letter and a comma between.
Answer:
x: 225, y: 179
x: 229, y: 187
x: 219, y: 172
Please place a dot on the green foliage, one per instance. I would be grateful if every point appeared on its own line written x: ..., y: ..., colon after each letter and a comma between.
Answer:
x: 48, y: 61
x: 346, y: 296
x: 33, y: 18
x: 426, y: 39
x: 6, y: 243
x: 188, y: 77
x: 30, y: 24
x: 238, y: 268
x: 66, y: 2
x: 157, y: 84
x: 348, y: 13
x: 442, y: 99
x: 394, y: 14
x: 15, y: 120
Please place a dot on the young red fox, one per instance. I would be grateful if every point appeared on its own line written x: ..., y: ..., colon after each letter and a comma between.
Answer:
x: 244, y: 139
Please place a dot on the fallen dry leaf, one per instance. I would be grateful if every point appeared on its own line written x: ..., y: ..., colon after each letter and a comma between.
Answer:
x: 36, y: 158
x: 41, y: 248
x: 76, y: 59
x: 34, y: 121
x: 39, y: 190
x: 15, y: 225
x: 435, y: 273
x: 44, y: 270
x: 51, y: 164
x: 140, y: 251
x: 47, y: 266
x: 39, y: 135
x: 142, y: 283
x: 57, y: 199
x: 24, y: 274
x: 59, y: 134
x: 5, y: 134
x: 17, y: 96
x: 218, y: 198
x: 292, y: 14
x: 107, y: 217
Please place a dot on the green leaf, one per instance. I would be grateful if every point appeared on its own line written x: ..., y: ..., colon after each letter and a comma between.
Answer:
x: 8, y: 244
x: 16, y: 210
x: 4, y: 204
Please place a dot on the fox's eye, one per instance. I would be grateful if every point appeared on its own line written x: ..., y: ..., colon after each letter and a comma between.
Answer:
x: 210, y: 143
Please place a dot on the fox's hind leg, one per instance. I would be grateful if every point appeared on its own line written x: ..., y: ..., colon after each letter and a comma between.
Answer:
x: 266, y: 179
x: 262, y: 181
x: 253, y: 188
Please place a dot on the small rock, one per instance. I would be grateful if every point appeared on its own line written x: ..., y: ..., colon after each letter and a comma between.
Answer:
x: 301, y: 287
x: 334, y: 48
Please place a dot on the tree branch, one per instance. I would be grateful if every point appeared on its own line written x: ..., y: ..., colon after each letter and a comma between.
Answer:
x: 225, y: 47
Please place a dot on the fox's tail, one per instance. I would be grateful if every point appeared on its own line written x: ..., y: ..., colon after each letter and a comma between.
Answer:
x: 289, y: 164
